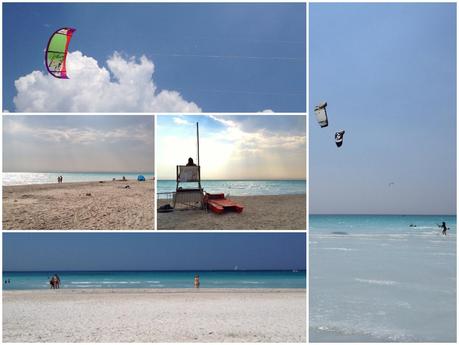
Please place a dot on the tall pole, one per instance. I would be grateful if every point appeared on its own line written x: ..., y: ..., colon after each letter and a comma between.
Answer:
x: 197, y: 137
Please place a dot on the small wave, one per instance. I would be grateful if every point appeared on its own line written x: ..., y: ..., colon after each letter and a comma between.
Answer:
x: 251, y: 282
x: 359, y: 333
x: 397, y: 235
x: 218, y: 282
x: 339, y: 248
x: 121, y: 282
x: 376, y: 282
x: 153, y: 281
x: 80, y: 282
x: 443, y: 254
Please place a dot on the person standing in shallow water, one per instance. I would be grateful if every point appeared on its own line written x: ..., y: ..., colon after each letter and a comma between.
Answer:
x: 444, y: 228
x: 196, y: 281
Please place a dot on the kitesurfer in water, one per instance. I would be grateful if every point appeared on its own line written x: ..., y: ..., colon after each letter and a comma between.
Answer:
x: 443, y: 227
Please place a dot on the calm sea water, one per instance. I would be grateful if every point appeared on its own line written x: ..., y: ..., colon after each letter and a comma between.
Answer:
x: 243, y: 187
x: 12, y: 179
x: 157, y: 279
x: 375, y: 278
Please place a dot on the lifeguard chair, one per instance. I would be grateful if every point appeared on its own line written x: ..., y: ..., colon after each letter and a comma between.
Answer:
x: 188, y: 189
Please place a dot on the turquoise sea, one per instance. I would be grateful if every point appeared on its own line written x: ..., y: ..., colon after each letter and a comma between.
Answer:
x: 375, y: 278
x: 156, y: 279
x: 243, y: 187
x: 21, y: 178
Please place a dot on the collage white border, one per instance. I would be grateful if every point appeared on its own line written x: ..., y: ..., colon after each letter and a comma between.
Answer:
x: 307, y: 2
x: 155, y: 139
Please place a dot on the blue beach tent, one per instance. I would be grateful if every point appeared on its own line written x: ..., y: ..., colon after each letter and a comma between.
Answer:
x: 140, y: 178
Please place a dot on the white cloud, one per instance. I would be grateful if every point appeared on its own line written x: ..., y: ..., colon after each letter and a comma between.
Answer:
x: 257, y: 140
x: 236, y: 151
x: 181, y: 121
x: 224, y: 121
x: 126, y: 86
x: 80, y: 135
x: 267, y: 111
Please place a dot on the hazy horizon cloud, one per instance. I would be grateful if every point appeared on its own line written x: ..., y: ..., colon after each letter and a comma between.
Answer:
x: 78, y: 143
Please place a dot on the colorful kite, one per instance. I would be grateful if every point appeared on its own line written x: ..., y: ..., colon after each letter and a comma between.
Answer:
x: 56, y: 52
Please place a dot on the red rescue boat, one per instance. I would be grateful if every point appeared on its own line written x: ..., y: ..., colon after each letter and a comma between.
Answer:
x: 217, y: 203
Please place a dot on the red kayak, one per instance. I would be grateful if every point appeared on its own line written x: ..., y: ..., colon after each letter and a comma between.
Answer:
x: 217, y: 203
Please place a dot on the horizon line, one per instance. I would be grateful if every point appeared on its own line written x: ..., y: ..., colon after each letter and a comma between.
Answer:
x: 77, y: 172
x: 240, y: 179
x: 382, y: 214
x: 191, y: 270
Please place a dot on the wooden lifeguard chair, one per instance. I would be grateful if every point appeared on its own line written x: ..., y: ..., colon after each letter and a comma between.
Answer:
x: 188, y: 189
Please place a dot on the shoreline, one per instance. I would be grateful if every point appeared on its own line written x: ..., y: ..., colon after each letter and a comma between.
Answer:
x: 205, y: 315
x: 103, y: 205
x: 261, y: 212
x: 48, y: 184
x: 154, y: 290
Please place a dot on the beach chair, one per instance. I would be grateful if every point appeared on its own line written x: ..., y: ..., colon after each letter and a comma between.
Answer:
x: 188, y: 190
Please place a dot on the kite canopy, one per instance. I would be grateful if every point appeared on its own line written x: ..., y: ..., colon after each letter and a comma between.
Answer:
x: 339, y: 138
x: 56, y: 52
x: 321, y: 114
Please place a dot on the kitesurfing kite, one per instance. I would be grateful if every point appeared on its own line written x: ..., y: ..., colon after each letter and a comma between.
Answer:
x: 321, y: 114
x: 56, y: 52
x: 339, y: 138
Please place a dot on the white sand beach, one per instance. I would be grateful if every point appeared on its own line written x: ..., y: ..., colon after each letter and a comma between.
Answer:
x: 106, y: 205
x: 264, y: 212
x: 155, y: 315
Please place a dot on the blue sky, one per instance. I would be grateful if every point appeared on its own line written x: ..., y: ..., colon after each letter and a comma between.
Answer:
x: 388, y: 72
x: 86, y: 143
x: 260, y: 49
x: 160, y: 251
x: 234, y: 146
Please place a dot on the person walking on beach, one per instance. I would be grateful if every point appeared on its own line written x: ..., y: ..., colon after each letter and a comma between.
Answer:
x: 443, y: 227
x: 196, y: 281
